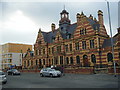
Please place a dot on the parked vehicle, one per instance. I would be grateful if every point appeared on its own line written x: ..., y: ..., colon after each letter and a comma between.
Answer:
x: 50, y: 72
x: 13, y: 72
x: 3, y: 78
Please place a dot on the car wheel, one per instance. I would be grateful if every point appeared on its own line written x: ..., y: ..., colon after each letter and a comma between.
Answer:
x: 41, y: 74
x: 59, y: 75
x: 5, y: 82
x: 51, y: 75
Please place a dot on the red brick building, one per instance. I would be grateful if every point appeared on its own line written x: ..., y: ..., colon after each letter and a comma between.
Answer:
x: 81, y: 44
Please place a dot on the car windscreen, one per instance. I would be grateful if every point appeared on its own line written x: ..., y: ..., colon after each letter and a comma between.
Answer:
x: 14, y: 70
x: 51, y: 69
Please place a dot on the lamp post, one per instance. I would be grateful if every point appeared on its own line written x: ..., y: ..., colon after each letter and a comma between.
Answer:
x: 111, y: 37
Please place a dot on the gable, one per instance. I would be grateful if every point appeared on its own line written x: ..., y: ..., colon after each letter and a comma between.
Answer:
x: 83, y: 28
x: 58, y: 37
x: 40, y: 39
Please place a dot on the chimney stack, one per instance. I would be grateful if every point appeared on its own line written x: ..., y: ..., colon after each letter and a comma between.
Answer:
x: 91, y: 17
x: 100, y: 17
x: 78, y: 17
x: 53, y: 27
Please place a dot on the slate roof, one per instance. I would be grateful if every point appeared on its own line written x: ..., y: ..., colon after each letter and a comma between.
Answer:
x: 94, y: 24
x: 107, y: 42
x: 48, y: 36
x: 30, y: 52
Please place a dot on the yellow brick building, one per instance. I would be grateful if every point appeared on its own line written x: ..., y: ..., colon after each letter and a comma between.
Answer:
x: 11, y: 54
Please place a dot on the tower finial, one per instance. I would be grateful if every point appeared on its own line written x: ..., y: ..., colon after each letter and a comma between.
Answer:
x: 64, y: 6
x: 39, y: 30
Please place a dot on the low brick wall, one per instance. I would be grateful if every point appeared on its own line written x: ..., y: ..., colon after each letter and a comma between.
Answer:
x: 83, y: 70
x: 33, y: 70
x: 111, y: 70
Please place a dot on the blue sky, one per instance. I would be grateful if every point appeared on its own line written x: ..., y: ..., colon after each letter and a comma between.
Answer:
x: 20, y: 21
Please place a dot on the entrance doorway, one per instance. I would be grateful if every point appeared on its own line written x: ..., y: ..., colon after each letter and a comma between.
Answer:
x: 85, y: 61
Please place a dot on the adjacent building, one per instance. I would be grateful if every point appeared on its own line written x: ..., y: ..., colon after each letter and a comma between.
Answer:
x: 84, y: 43
x: 12, y: 54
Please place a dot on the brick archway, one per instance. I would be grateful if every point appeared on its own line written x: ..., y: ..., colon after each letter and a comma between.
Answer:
x: 110, y: 57
x: 85, y: 61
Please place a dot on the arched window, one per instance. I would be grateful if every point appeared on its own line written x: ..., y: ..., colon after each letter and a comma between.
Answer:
x: 67, y: 60
x: 28, y: 63
x: 93, y: 58
x: 56, y: 60
x: 119, y: 55
x: 85, y: 57
x: 31, y: 63
x: 71, y: 60
x: 36, y: 62
x: 52, y: 61
x: 109, y: 57
x: 85, y: 60
x: 40, y: 62
x: 49, y: 62
x: 77, y: 59
x: 61, y: 59
x: 43, y: 61
x: 24, y: 63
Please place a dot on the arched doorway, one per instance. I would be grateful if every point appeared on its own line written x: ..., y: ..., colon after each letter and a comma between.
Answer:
x: 93, y: 58
x: 61, y: 60
x: 85, y: 61
x: 67, y: 60
x: 110, y: 57
x: 78, y: 59
x: 71, y: 60
x: 40, y: 63
x: 119, y: 55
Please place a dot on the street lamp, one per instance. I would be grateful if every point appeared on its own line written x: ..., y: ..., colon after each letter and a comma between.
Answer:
x: 111, y: 37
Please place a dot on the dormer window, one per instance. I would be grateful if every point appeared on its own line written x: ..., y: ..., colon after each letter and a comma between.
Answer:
x: 39, y: 42
x: 68, y: 36
x: 58, y: 38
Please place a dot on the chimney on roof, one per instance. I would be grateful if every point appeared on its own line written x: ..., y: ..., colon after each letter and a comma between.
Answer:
x: 78, y: 17
x: 53, y: 27
x: 39, y: 30
x: 95, y: 19
x: 91, y: 17
x: 100, y: 17
x: 82, y: 14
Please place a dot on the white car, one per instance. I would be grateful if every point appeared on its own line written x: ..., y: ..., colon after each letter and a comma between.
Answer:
x: 50, y: 72
x: 3, y: 78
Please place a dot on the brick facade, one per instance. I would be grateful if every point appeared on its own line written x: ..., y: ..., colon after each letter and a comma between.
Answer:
x: 80, y: 44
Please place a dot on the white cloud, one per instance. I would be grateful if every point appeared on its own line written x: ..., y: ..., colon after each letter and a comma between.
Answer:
x: 18, y: 28
x: 19, y: 22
